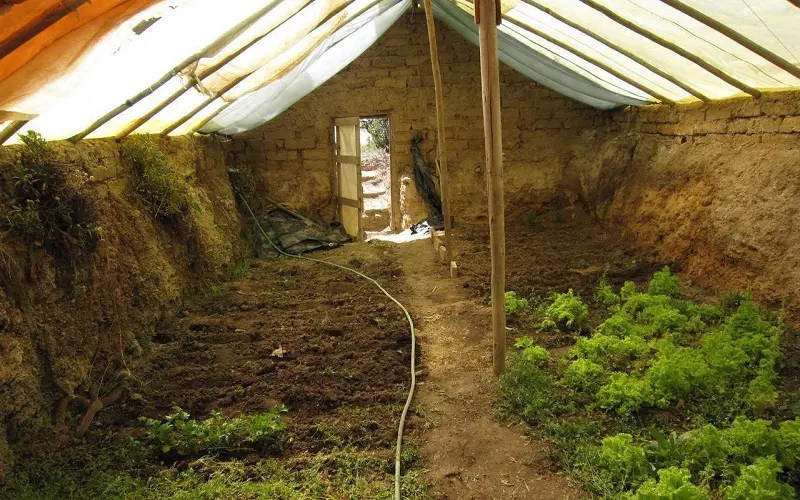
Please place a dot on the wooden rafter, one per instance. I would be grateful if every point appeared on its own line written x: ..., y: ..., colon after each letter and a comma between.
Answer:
x: 233, y: 83
x: 622, y: 50
x: 203, y: 75
x: 12, y: 128
x: 735, y: 36
x: 38, y: 24
x: 593, y: 60
x: 673, y: 47
x: 215, y: 45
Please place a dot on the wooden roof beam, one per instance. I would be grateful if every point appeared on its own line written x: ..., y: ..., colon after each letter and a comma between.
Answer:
x: 735, y: 36
x: 12, y: 128
x: 622, y: 50
x: 673, y: 47
x: 586, y: 57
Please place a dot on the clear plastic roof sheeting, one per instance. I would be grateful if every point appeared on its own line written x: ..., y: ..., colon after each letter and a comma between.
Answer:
x: 105, y: 68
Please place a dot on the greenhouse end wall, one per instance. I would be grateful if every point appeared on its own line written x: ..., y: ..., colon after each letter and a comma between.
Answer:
x: 714, y: 186
x: 294, y: 152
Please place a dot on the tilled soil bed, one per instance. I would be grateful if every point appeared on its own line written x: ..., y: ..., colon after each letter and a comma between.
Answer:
x: 321, y: 341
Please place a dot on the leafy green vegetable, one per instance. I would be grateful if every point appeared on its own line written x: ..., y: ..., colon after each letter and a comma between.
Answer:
x: 514, y: 303
x: 673, y: 484
x: 759, y: 481
x: 664, y: 283
x: 565, y: 310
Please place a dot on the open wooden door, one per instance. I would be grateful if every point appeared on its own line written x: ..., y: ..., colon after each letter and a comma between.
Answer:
x: 348, y: 174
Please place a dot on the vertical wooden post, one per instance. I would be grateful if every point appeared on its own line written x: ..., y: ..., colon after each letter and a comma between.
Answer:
x: 487, y: 17
x: 440, y: 137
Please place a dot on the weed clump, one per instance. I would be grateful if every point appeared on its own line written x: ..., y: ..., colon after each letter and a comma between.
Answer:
x: 156, y: 179
x: 182, y: 435
x: 51, y: 207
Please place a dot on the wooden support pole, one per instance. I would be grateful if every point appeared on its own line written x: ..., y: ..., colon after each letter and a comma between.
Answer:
x: 440, y: 134
x: 216, y: 45
x: 619, y: 48
x: 593, y: 60
x: 674, y: 47
x: 486, y: 13
x: 735, y: 36
x: 12, y: 128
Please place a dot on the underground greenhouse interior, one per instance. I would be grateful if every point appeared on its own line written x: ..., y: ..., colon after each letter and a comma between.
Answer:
x: 517, y: 249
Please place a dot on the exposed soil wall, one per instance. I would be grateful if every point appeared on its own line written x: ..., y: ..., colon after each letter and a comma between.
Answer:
x: 716, y: 187
x: 68, y: 326
x: 394, y: 78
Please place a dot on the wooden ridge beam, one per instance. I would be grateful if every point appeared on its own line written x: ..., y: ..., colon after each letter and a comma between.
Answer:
x: 646, y: 33
x: 593, y: 60
x: 231, y: 33
x: 440, y: 129
x: 233, y: 83
x: 622, y: 50
x: 735, y: 36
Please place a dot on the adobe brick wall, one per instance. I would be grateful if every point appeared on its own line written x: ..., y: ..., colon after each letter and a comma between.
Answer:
x: 394, y: 77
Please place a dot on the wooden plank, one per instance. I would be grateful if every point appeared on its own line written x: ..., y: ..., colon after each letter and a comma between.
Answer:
x: 593, y: 60
x: 490, y: 84
x: 622, y: 50
x: 673, y: 47
x: 352, y: 160
x: 440, y: 129
x: 12, y: 128
x: 349, y: 202
x: 735, y: 36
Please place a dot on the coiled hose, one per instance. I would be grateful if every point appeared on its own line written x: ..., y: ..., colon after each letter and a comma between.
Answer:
x: 400, y: 428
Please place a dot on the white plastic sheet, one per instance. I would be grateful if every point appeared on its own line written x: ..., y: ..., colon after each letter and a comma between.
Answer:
x: 300, y: 44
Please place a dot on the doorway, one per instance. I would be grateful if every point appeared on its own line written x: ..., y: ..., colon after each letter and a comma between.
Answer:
x: 363, y: 172
x: 376, y: 182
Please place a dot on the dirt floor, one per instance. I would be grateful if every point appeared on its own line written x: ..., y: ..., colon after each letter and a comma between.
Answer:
x: 343, y: 373
x: 335, y: 352
x: 470, y: 453
x: 321, y: 341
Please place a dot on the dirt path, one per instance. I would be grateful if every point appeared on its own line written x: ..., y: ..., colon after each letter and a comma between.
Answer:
x: 469, y: 453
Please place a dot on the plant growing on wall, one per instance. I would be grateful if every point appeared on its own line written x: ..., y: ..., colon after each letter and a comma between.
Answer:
x: 51, y: 206
x: 157, y: 181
